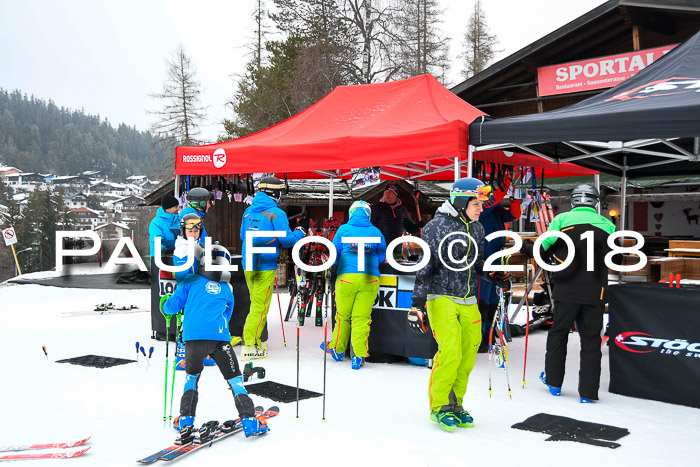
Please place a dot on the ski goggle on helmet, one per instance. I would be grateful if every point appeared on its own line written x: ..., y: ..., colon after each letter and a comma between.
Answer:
x: 466, y: 188
x: 363, y: 205
x: 191, y: 222
x: 198, y: 198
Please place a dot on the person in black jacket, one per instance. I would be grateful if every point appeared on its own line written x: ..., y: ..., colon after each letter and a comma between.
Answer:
x: 391, y: 217
x: 578, y: 293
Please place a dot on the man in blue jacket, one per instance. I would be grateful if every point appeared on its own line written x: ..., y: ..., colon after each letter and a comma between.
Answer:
x: 165, y: 225
x: 208, y: 303
x: 263, y: 215
x: 356, y: 287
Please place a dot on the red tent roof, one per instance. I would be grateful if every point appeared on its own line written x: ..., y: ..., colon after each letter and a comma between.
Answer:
x: 406, y: 126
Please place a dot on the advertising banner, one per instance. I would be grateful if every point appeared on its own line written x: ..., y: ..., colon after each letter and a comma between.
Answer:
x: 655, y: 342
x: 596, y: 73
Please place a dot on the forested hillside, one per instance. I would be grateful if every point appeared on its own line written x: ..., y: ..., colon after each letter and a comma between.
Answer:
x: 39, y: 136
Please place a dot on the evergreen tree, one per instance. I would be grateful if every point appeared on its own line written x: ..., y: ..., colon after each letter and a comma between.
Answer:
x: 479, y: 43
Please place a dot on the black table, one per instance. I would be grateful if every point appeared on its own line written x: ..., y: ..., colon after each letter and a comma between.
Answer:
x: 655, y: 342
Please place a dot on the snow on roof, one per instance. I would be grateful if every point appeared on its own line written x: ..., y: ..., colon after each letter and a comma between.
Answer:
x: 121, y: 225
x: 84, y: 209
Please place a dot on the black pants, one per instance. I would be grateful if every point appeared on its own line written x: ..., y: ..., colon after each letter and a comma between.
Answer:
x: 486, y: 310
x: 589, y: 321
x: 224, y: 357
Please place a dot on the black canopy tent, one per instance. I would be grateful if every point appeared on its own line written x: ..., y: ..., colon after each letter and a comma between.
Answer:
x: 649, y: 124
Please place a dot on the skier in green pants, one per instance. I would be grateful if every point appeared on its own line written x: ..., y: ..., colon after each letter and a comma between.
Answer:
x: 447, y: 287
x: 357, y: 284
x: 264, y: 215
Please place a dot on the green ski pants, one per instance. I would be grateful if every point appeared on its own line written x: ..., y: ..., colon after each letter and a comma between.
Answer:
x: 261, y: 286
x: 354, y: 296
x: 457, y: 330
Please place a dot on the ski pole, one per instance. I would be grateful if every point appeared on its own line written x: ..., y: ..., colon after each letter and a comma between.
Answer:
x: 148, y: 364
x: 165, y: 396
x: 137, y: 351
x: 527, y: 326
x: 300, y: 316
x: 327, y: 298
x: 504, y: 348
x: 43, y: 347
x: 178, y: 324
x: 279, y: 305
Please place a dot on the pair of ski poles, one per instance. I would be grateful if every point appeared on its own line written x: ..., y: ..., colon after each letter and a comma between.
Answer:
x: 169, y: 415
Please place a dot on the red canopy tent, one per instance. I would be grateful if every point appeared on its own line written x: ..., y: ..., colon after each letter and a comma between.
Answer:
x: 411, y: 128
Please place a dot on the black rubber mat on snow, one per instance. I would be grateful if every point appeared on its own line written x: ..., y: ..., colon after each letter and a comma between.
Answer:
x: 279, y: 392
x: 96, y: 361
x: 569, y: 429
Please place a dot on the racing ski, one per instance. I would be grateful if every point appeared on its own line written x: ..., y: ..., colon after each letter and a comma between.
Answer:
x: 42, y: 455
x: 69, y: 444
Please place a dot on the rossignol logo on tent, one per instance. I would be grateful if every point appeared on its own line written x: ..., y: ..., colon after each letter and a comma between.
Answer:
x: 219, y: 158
x: 662, y: 87
x: 645, y: 343
x: 195, y: 158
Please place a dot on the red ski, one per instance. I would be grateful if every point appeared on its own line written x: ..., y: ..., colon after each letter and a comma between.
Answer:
x: 43, y: 455
x: 69, y: 444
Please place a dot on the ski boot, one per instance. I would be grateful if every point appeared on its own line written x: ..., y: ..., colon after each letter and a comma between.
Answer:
x: 552, y: 390
x: 187, y: 432
x: 236, y: 340
x: 445, y: 419
x: 254, y: 426
x: 585, y: 400
x: 358, y: 362
x: 338, y: 357
x: 251, y: 352
x: 463, y: 419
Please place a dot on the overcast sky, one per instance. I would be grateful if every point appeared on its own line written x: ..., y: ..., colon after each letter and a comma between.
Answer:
x: 106, y: 57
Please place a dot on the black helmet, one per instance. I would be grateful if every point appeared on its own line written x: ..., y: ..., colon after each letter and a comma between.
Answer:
x: 467, y: 188
x: 585, y: 195
x: 190, y: 221
x: 198, y: 197
x: 272, y: 187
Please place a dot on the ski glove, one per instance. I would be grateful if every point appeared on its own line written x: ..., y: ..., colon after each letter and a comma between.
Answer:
x: 526, y: 249
x: 163, y: 299
x: 501, y: 278
x: 418, y: 317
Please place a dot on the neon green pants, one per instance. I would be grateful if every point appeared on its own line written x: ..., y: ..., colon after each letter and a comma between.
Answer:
x: 457, y: 330
x: 261, y: 286
x: 354, y: 296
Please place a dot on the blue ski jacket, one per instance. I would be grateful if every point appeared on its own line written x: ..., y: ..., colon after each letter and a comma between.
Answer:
x: 208, y: 307
x: 264, y: 215
x: 166, y: 226
x: 359, y: 225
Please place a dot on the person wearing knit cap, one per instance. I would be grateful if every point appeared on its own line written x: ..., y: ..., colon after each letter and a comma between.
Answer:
x: 391, y: 217
x: 165, y: 225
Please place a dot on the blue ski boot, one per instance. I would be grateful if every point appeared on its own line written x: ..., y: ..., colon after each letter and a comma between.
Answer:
x: 552, y: 390
x: 254, y: 426
x: 463, y: 419
x: 358, y: 362
x: 338, y: 357
x: 445, y: 419
x: 585, y: 400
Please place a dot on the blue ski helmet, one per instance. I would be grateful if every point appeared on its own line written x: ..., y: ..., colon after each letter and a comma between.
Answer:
x: 361, y: 205
x: 467, y: 188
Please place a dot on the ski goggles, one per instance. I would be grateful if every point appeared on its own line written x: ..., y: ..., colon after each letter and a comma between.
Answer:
x: 193, y: 224
x: 482, y: 193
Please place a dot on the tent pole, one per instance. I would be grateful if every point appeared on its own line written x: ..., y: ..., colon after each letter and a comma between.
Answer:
x: 596, y: 181
x: 177, y: 187
x: 457, y: 170
x: 470, y: 160
x: 623, y: 204
x: 330, y: 199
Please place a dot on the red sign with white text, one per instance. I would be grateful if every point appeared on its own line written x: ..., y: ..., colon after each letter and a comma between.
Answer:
x: 596, y: 73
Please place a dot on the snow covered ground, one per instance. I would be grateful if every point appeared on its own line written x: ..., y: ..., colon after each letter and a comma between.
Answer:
x: 378, y: 415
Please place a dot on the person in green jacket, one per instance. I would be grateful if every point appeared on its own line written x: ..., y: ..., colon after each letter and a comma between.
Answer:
x: 578, y: 293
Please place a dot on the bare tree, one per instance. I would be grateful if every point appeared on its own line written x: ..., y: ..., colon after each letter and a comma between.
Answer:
x: 182, y: 113
x: 479, y: 43
x: 422, y: 47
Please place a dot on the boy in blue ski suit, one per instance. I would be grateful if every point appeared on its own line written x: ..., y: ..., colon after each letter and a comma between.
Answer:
x: 355, y: 289
x: 207, y: 299
x: 263, y: 215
